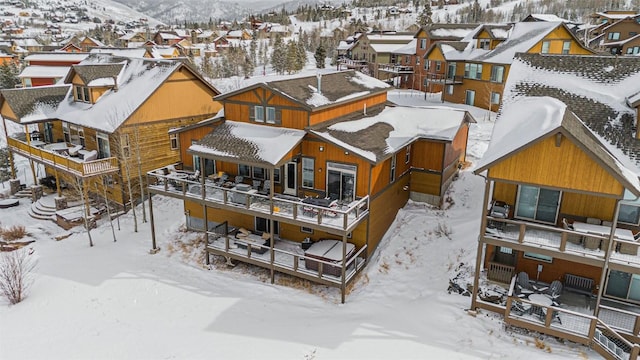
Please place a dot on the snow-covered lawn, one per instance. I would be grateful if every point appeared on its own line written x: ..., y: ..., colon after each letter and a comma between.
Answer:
x: 116, y: 301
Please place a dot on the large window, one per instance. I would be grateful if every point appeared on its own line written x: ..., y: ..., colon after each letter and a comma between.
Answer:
x: 244, y: 170
x: 259, y: 173
x: 614, y: 36
x: 66, y: 132
x: 545, y: 47
x: 308, y: 172
x: 497, y: 73
x: 341, y: 181
x: 629, y: 214
x: 495, y: 98
x: 103, y: 145
x: 423, y: 43
x: 271, y: 115
x: 470, y: 97
x: 623, y: 285
x: 259, y: 113
x: 264, y: 225
x: 566, y: 47
x: 537, y: 204
x: 473, y: 71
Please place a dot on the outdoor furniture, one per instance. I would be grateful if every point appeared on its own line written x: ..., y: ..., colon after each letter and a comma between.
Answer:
x: 555, y: 289
x: 328, y: 250
x: 593, y: 242
x: 594, y: 221
x: 630, y: 249
x: 578, y: 284
x: 499, y: 210
x: 572, y: 238
x: 91, y: 155
x: 523, y: 284
x: 239, y: 179
x: 195, y: 176
x: 266, y: 188
x: 259, y: 243
x: 256, y: 184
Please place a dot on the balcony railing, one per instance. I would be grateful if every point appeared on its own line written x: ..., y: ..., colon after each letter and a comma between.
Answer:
x: 548, y: 237
x: 500, y: 272
x: 344, y: 217
x: 395, y: 68
x: 443, y: 79
x: 62, y: 162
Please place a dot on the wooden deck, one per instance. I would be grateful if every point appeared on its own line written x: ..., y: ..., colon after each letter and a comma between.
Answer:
x: 340, y: 219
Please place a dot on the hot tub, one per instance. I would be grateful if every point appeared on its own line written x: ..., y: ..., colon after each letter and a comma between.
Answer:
x: 329, y: 251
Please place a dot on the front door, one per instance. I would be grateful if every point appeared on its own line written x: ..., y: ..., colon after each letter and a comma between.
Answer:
x: 290, y: 178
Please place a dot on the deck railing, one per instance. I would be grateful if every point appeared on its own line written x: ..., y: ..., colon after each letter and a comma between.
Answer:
x: 344, y: 217
x: 500, y: 272
x: 443, y: 79
x: 558, y: 239
x: 395, y: 68
x: 65, y: 163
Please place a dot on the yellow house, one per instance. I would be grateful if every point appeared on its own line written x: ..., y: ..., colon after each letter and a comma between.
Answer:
x: 473, y: 71
x: 562, y: 202
x: 109, y: 122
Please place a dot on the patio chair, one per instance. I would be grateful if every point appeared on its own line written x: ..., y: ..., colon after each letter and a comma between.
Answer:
x: 256, y: 184
x: 594, y: 221
x: 195, y: 176
x: 572, y: 238
x: 266, y: 188
x: 523, y: 284
x: 499, y: 210
x: 239, y: 179
x: 520, y: 308
x: 223, y: 179
x: 554, y: 290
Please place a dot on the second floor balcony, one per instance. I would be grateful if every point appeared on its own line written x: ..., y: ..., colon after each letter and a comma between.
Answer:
x: 66, y: 157
x: 443, y: 79
x: 396, y: 68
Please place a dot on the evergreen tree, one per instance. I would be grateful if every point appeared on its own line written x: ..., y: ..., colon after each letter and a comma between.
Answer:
x: 424, y: 18
x: 5, y: 166
x: 9, y: 75
x: 291, y: 57
x: 279, y: 56
x: 320, y: 56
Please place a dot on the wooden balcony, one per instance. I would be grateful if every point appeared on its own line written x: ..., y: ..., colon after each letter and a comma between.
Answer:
x: 443, y: 79
x: 395, y: 69
x: 613, y: 334
x: 340, y: 219
x: 345, y: 63
x: 65, y: 163
x: 553, y: 241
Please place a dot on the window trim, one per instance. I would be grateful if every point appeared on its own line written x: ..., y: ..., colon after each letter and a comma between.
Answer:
x: 537, y: 257
x: 125, y: 145
x: 306, y: 230
x: 494, y: 94
x: 534, y: 219
x: 242, y: 173
x: 566, y: 47
x: 407, y: 154
x: 494, y: 72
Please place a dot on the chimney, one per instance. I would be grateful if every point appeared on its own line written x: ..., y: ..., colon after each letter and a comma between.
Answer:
x: 319, y: 76
x: 115, y: 84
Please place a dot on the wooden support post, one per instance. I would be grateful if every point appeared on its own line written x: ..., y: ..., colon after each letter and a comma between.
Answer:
x: 523, y: 229
x: 343, y: 282
x: 607, y: 257
x: 6, y: 135
x: 154, y: 246
x: 58, y: 190
x: 483, y: 224
x: 272, y: 241
x: 636, y: 326
x: 33, y: 170
x: 563, y: 241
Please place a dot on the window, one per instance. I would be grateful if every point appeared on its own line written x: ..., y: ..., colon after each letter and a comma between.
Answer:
x: 538, y: 257
x: 173, y: 139
x: 306, y: 230
x: 484, y: 44
x: 264, y: 225
x: 632, y: 33
x: 392, y: 175
x: 613, y: 36
x: 545, y: 47
x: 66, y: 132
x: 473, y: 71
x: 271, y: 115
x: 566, y: 47
x: 497, y: 73
x: 407, y: 59
x: 407, y: 154
x: 244, y: 170
x: 537, y: 204
x: 124, y: 145
x: 103, y: 145
x: 449, y: 89
x: 259, y: 113
x: 27, y: 82
x: 629, y: 214
x: 623, y: 285
x: 276, y: 175
x: 470, y: 97
x: 308, y: 172
x: 495, y: 98
x: 76, y: 135
x: 505, y: 250
x: 258, y: 173
x: 423, y: 43
x: 427, y: 64
x: 82, y: 94
x: 438, y: 66
x: 341, y: 181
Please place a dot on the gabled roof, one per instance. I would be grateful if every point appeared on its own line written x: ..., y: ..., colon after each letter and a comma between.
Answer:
x: 449, y: 32
x: 36, y: 103
x: 529, y: 120
x: 54, y: 56
x: 42, y: 71
x: 377, y: 136
x: 495, y: 31
x: 125, y: 52
x: 596, y: 89
x: 336, y: 88
x: 89, y: 73
x: 248, y: 143
x: 409, y: 49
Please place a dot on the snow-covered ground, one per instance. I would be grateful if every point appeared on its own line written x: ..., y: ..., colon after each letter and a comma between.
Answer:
x: 116, y: 301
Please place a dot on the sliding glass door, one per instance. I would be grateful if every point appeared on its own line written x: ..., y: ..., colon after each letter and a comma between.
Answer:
x: 538, y: 204
x: 341, y: 182
x: 623, y: 285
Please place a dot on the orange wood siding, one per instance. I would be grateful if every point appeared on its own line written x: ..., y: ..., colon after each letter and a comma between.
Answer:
x: 42, y: 81
x: 565, y: 166
x: 383, y: 209
x: 358, y: 106
x: 505, y: 192
x: 6, y: 112
x: 186, y: 138
x: 584, y: 205
x: 427, y: 155
x: 181, y: 96
x: 238, y: 107
x: 426, y: 183
x: 556, y: 38
x: 456, y: 150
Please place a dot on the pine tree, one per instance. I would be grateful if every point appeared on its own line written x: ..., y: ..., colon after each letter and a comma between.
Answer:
x: 5, y: 166
x: 320, y: 56
x: 9, y: 75
x: 279, y: 56
x: 424, y: 18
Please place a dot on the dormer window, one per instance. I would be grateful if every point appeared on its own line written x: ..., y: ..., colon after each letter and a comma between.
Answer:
x: 484, y: 44
x: 82, y: 94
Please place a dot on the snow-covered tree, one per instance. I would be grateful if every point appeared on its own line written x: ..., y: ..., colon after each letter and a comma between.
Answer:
x: 424, y: 18
x: 9, y: 75
x: 320, y: 55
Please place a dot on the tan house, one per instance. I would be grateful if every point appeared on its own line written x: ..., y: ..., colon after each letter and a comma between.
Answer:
x: 376, y: 48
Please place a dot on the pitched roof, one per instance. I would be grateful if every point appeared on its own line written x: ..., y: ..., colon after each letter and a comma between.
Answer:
x: 595, y: 88
x: 89, y: 73
x: 42, y: 71
x: 36, y: 103
x: 379, y: 135
x: 336, y: 87
x: 248, y: 143
x: 448, y: 31
x: 61, y: 56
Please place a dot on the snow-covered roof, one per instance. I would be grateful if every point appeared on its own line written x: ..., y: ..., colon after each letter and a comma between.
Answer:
x: 35, y: 104
x: 335, y: 88
x: 41, y: 71
x: 449, y: 32
x: 343, y: 45
x: 169, y: 36
x: 248, y: 143
x: 548, y: 17
x: 387, y: 48
x: 390, y: 37
x: 615, y: 16
x: 409, y: 49
x: 376, y: 137
x: 61, y: 56
x: 125, y: 52
x: 595, y: 88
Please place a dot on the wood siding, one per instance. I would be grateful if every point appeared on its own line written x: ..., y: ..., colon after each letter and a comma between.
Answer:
x: 239, y: 106
x: 426, y: 182
x: 335, y: 112
x: 427, y: 155
x: 565, y: 166
x: 383, y: 210
x: 185, y: 139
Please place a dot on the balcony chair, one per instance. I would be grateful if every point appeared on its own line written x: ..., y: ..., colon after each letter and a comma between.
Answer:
x: 266, y: 188
x: 499, y: 210
x: 594, y: 221
x: 91, y: 155
x: 74, y: 150
x: 607, y: 223
x: 195, y: 176
x: 256, y: 184
x: 555, y: 290
x: 239, y: 179
x: 572, y: 238
x: 523, y: 284
x: 223, y: 179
